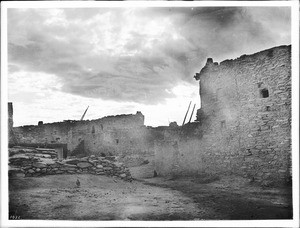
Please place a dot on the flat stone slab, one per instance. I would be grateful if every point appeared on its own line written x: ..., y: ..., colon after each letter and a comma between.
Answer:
x: 123, y: 175
x: 14, y: 169
x: 45, y: 149
x: 84, y: 159
x: 69, y: 165
x: 41, y: 155
x: 19, y: 156
x: 39, y: 165
x: 118, y: 164
x: 30, y: 171
x: 84, y: 164
x: 55, y: 165
x: 47, y: 161
x: 72, y: 161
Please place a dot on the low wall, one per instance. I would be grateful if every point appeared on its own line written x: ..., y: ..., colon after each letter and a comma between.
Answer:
x: 37, y: 162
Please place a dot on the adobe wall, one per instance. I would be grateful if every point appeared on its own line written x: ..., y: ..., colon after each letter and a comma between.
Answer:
x: 239, y: 130
x: 122, y: 135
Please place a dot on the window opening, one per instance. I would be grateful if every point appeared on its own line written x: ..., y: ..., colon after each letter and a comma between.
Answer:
x: 264, y: 93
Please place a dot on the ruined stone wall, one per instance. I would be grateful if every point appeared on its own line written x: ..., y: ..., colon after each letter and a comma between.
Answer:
x: 45, y: 161
x: 46, y: 133
x: 121, y: 135
x: 245, y: 121
x: 10, y: 122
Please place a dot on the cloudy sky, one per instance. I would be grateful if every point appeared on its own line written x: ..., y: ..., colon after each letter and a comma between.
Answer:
x: 123, y: 60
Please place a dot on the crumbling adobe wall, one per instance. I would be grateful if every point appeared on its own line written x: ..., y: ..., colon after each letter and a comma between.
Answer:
x: 45, y: 133
x: 122, y: 135
x: 245, y: 121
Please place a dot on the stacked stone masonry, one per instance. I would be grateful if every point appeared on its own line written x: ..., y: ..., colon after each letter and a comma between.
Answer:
x: 122, y: 135
x: 41, y: 161
x: 243, y: 126
x: 244, y: 123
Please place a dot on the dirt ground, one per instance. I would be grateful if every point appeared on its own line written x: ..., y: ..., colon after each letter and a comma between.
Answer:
x: 105, y: 198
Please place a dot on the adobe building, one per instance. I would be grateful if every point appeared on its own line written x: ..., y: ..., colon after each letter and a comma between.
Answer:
x: 244, y: 124
x: 121, y: 135
x: 243, y: 127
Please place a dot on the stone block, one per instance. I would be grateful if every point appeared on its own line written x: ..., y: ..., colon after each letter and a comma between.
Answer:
x: 59, y: 172
x: 84, y: 159
x: 55, y: 165
x: 68, y: 168
x: 39, y: 165
x: 118, y: 164
x: 123, y: 175
x: 84, y: 165
x: 69, y: 165
x: 26, y: 167
x: 72, y: 161
x: 30, y: 171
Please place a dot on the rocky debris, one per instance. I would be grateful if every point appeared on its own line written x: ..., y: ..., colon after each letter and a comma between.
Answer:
x: 39, y: 165
x: 73, y: 161
x: 84, y: 165
x: 36, y: 152
x: 31, y: 165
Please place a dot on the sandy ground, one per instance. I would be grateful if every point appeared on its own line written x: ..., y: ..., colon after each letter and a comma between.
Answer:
x: 105, y: 198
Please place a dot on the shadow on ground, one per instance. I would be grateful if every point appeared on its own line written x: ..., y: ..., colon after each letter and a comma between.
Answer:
x: 231, y: 198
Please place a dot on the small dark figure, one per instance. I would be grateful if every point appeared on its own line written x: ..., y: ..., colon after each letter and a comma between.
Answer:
x: 78, y: 183
x: 155, y: 174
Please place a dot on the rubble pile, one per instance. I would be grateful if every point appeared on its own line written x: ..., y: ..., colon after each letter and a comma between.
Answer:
x: 32, y: 162
x: 36, y: 152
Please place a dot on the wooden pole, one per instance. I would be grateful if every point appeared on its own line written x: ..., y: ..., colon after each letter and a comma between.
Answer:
x: 192, y: 113
x: 186, y: 113
x: 84, y: 113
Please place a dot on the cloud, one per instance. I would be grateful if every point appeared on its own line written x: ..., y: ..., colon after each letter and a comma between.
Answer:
x: 136, y: 55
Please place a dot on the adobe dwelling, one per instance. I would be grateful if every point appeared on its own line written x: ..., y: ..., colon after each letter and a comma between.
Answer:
x: 243, y: 127
x: 112, y: 135
x: 244, y: 124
